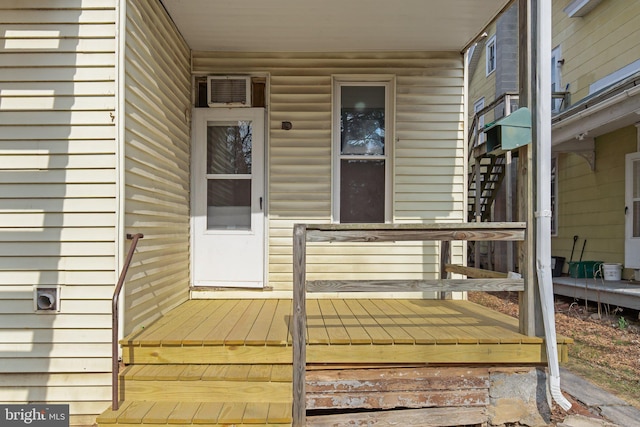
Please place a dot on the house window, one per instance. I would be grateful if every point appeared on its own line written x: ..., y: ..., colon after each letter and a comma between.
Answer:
x: 491, y: 55
x: 479, y: 105
x: 362, y: 145
x: 554, y: 196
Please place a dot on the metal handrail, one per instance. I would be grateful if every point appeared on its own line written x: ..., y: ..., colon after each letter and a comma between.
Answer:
x: 115, y: 363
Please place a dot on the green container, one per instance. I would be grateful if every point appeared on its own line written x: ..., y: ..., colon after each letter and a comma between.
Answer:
x: 583, y: 269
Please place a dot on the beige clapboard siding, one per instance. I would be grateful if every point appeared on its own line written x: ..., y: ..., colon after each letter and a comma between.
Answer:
x: 428, y: 155
x: 157, y: 135
x: 57, y: 198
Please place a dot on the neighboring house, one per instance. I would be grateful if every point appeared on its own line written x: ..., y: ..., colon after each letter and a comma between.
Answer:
x: 104, y: 123
x: 493, y: 72
x: 595, y: 133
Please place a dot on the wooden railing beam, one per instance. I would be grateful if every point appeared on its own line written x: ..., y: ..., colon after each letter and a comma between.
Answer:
x: 438, y: 285
x: 413, y: 235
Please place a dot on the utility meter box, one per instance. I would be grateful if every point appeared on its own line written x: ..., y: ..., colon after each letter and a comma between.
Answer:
x: 509, y: 133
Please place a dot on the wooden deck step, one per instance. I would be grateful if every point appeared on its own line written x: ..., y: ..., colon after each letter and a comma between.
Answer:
x: 255, y: 373
x: 208, y: 383
x: 187, y: 413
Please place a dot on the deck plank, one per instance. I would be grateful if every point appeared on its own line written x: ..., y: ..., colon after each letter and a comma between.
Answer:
x: 279, y: 333
x: 208, y: 354
x: 441, y: 354
x: 279, y: 413
x: 460, y: 325
x: 409, y: 324
x: 282, y: 373
x: 217, y: 309
x: 192, y: 372
x: 184, y: 324
x: 208, y: 413
x: 238, y: 372
x: 232, y: 412
x: 159, y: 413
x: 507, y: 327
x: 260, y: 330
x: 256, y: 413
x: 373, y: 329
x: 183, y: 413
x: 136, y: 337
x: 158, y: 372
x: 238, y: 333
x: 260, y: 373
x: 135, y: 412
x: 332, y: 323
x: 215, y: 373
x: 231, y: 390
x: 174, y: 321
x: 111, y: 417
x: 429, y: 317
x: 397, y: 332
x: 219, y: 327
x: 357, y: 334
x: 316, y: 331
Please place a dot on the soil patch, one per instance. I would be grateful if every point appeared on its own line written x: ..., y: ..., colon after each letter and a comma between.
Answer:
x: 606, y: 348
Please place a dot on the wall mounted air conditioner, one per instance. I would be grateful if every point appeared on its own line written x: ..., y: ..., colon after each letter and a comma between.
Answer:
x: 229, y: 91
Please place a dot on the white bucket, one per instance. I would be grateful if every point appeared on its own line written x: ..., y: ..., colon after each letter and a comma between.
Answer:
x: 612, y: 271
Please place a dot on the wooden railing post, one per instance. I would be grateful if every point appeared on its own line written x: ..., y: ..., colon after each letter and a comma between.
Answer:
x: 445, y: 258
x: 299, y: 324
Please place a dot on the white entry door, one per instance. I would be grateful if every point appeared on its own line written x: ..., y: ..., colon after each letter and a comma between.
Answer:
x: 632, y: 212
x: 228, y: 197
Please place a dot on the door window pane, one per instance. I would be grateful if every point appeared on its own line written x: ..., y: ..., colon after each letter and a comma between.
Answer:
x: 229, y: 204
x: 229, y: 148
x: 362, y: 191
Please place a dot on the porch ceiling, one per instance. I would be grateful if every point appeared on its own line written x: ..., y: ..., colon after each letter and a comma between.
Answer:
x: 331, y: 25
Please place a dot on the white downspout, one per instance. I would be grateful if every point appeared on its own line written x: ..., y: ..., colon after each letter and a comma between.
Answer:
x: 542, y: 116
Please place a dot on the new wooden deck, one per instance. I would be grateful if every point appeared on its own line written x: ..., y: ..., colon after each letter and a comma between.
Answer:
x: 350, y: 331
x: 222, y: 362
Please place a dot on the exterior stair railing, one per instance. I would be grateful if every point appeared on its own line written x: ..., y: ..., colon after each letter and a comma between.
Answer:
x: 115, y: 362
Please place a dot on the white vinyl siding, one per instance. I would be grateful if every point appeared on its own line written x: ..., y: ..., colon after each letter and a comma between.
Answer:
x: 428, y: 170
x: 158, y: 105
x: 58, y: 200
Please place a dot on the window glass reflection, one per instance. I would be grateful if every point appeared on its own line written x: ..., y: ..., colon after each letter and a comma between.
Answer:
x: 229, y: 148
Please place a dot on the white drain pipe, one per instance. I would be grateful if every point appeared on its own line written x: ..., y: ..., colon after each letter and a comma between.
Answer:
x: 542, y: 137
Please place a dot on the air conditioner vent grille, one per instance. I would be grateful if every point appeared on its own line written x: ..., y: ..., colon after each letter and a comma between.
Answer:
x: 229, y: 91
